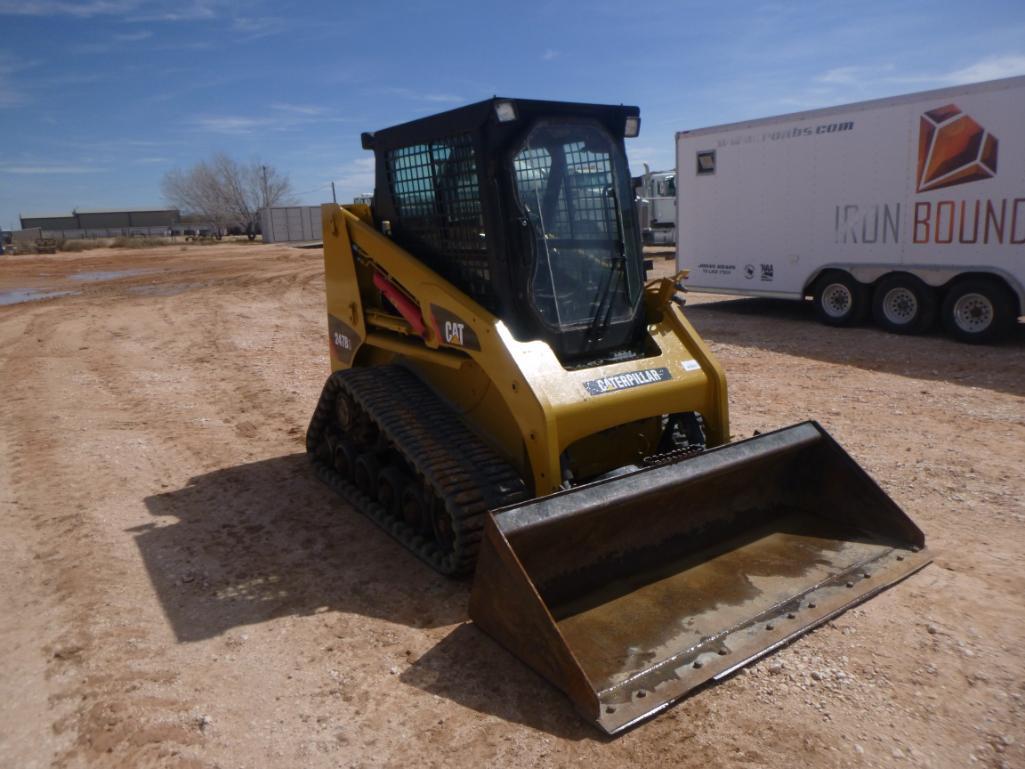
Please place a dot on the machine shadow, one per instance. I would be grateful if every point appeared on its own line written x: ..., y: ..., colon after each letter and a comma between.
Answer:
x: 788, y: 327
x: 470, y: 669
x: 247, y: 544
x: 262, y: 540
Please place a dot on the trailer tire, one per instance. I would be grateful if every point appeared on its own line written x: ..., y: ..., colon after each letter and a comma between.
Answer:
x: 903, y: 304
x: 839, y: 299
x: 978, y: 310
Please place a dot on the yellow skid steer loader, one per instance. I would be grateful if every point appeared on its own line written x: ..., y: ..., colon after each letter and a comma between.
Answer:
x: 509, y: 394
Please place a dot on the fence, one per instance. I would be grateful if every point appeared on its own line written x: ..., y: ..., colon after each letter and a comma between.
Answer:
x: 114, y: 232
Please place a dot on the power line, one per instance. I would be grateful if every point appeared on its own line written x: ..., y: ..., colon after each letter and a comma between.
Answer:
x: 324, y: 186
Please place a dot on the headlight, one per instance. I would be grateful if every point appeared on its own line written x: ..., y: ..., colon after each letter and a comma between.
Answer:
x: 505, y: 111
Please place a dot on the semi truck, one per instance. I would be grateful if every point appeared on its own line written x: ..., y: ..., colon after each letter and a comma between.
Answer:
x: 910, y: 209
x: 656, y: 206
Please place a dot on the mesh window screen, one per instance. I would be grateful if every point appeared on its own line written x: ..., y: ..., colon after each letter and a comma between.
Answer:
x: 588, y: 179
x: 583, y: 209
x: 437, y: 199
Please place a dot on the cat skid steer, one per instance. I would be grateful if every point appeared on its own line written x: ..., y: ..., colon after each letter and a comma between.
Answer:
x: 511, y: 398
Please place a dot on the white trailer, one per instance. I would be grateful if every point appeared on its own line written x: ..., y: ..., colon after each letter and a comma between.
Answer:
x: 908, y: 207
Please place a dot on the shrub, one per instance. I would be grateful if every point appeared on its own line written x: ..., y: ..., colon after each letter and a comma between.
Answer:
x: 139, y: 242
x: 75, y: 246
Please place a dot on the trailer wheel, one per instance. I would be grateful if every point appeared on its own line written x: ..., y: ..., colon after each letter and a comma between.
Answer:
x: 978, y: 310
x: 903, y: 304
x: 840, y: 300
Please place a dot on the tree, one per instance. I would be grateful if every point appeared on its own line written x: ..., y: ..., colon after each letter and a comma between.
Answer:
x: 227, y: 192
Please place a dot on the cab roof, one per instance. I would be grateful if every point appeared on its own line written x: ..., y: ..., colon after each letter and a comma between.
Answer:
x: 474, y: 117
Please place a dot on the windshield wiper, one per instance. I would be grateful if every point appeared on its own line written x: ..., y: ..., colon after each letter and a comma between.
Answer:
x: 610, y: 286
x: 606, y: 299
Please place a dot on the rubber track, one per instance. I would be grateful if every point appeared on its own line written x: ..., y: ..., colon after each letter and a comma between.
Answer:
x: 465, y: 473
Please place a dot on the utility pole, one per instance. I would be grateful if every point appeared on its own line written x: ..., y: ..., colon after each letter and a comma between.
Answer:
x: 266, y: 191
x: 334, y: 198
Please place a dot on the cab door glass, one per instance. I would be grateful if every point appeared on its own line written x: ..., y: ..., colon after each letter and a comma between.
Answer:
x: 569, y: 188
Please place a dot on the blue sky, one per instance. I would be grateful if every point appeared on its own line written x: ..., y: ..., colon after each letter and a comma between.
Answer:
x: 98, y: 99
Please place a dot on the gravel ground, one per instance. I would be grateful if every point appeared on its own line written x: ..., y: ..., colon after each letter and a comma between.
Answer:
x: 176, y: 590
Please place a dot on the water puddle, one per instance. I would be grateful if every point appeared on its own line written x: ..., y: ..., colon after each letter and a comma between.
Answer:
x: 107, y: 274
x: 19, y: 295
x: 162, y: 289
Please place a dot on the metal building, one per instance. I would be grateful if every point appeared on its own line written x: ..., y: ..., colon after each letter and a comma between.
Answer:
x: 49, y: 221
x: 127, y: 219
x: 104, y: 223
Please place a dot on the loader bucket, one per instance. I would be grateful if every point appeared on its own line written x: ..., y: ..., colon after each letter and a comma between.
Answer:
x: 628, y: 593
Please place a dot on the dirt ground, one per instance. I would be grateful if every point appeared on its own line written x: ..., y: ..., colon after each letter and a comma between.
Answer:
x: 177, y: 590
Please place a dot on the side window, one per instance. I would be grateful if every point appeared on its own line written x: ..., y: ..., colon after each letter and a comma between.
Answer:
x: 671, y: 187
x: 437, y: 202
x: 706, y: 162
x: 435, y: 184
x: 412, y: 185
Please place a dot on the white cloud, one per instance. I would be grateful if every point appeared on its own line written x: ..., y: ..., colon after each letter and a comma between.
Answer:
x: 299, y: 109
x: 231, y: 124
x: 9, y: 94
x: 285, y: 120
x: 286, y: 117
x: 250, y: 24
x: 93, y: 48
x: 550, y: 54
x: 130, y: 10
x: 59, y: 8
x: 134, y: 37
x: 356, y: 176
x: 991, y: 68
x: 446, y: 98
x: 854, y: 75
x: 172, y: 11
x: 409, y: 93
x: 868, y: 77
x: 191, y: 45
x: 256, y: 27
x: 114, y: 146
x: 30, y: 168
x: 657, y: 158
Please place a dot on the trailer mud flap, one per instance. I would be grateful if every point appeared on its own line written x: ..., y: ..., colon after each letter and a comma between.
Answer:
x: 628, y: 593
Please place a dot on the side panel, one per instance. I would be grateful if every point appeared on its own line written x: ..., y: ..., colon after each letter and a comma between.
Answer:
x: 791, y: 196
x: 345, y: 323
x: 979, y: 219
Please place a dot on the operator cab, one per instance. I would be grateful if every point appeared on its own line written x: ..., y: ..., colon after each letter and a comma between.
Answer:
x: 527, y: 207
